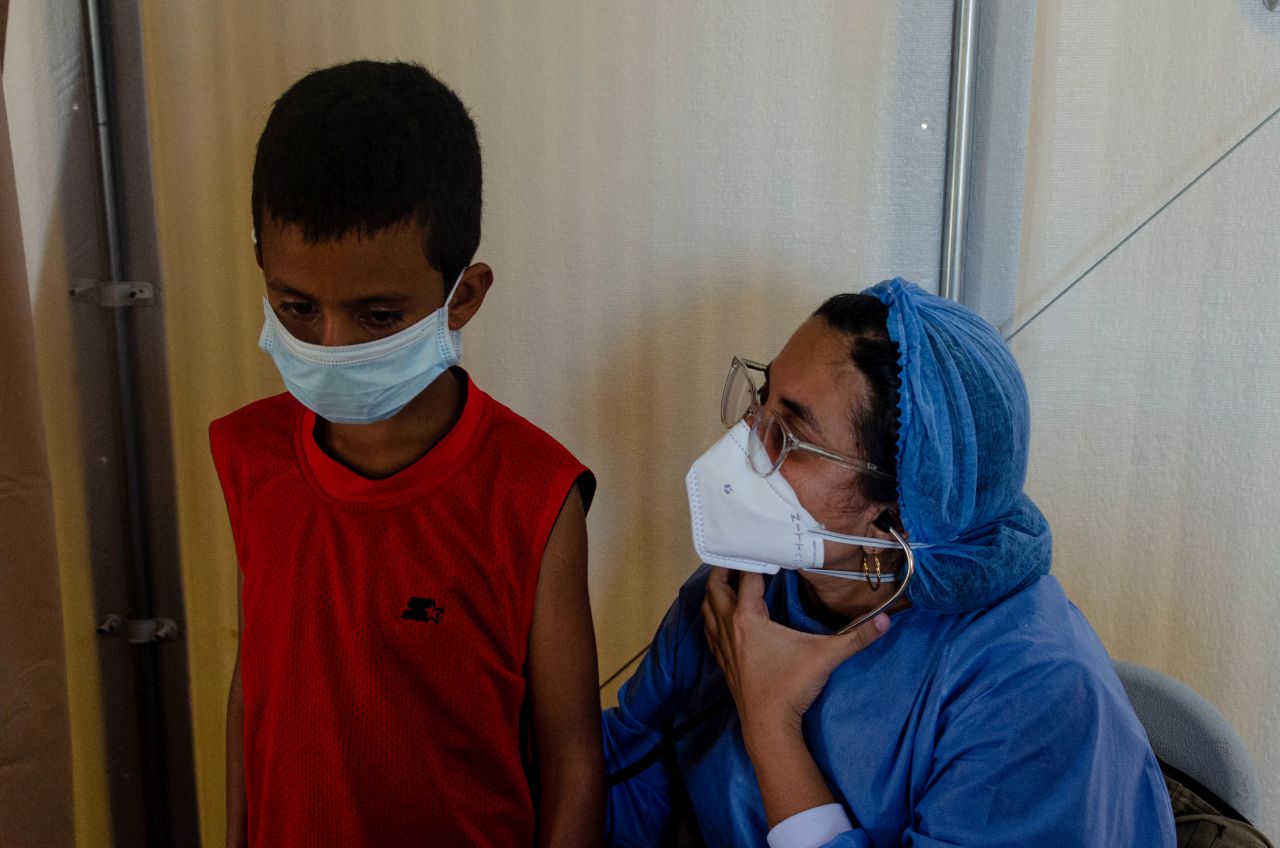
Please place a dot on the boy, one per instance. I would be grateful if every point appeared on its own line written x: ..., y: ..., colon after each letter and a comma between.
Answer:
x: 417, y: 662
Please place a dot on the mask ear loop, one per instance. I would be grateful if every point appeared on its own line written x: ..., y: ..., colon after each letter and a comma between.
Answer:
x: 907, y: 571
x: 449, y: 299
x: 865, y: 541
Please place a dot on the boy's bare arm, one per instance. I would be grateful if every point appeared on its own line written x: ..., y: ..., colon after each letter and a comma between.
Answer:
x: 237, y: 812
x: 563, y: 681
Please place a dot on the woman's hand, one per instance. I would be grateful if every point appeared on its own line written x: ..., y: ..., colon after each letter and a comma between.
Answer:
x: 775, y: 673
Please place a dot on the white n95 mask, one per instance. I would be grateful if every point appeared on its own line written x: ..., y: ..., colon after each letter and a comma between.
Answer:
x: 363, y: 383
x: 752, y: 523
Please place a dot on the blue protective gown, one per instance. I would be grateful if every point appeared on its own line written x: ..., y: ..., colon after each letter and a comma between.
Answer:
x: 1002, y: 726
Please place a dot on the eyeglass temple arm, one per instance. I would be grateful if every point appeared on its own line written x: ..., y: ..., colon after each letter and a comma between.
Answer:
x: 845, y: 461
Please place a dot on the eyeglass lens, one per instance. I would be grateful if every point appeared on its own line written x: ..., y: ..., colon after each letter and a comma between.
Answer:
x: 739, y: 396
x: 765, y: 449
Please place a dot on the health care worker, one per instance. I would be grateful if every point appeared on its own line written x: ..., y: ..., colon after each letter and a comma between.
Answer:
x: 972, y: 706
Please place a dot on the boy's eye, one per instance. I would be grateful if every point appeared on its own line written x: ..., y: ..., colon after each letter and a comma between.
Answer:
x: 382, y: 319
x: 297, y: 309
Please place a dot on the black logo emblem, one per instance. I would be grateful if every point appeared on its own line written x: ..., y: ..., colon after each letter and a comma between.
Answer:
x: 423, y: 609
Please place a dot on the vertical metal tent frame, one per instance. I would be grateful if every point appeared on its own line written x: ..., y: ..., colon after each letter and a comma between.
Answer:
x: 958, y: 173
x: 959, y: 133
x: 145, y: 700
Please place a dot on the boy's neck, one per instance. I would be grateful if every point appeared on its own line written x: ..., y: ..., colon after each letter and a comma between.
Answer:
x: 381, y: 449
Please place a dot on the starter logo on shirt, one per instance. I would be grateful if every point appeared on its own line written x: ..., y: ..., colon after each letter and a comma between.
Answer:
x: 423, y: 609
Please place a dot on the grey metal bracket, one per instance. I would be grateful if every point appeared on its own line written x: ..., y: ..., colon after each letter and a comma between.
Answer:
x: 113, y: 294
x: 138, y: 631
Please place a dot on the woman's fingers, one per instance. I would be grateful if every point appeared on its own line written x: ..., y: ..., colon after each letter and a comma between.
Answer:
x: 711, y: 630
x: 718, y: 576
x: 710, y: 620
x: 751, y: 585
x: 720, y: 595
x: 751, y: 594
x: 724, y: 600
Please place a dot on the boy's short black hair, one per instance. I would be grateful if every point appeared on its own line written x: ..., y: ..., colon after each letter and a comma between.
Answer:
x: 365, y: 145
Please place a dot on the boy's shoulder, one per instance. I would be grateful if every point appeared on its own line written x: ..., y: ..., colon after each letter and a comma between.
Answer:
x: 256, y: 422
x: 507, y: 425
x: 513, y: 435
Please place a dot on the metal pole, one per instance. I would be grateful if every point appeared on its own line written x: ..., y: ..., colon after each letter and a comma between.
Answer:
x: 138, y: 556
x: 960, y: 120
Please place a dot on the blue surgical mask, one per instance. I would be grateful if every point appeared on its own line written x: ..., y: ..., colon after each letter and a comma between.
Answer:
x: 363, y: 383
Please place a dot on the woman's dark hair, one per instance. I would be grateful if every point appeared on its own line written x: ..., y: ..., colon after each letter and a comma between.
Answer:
x: 366, y: 145
x: 864, y: 320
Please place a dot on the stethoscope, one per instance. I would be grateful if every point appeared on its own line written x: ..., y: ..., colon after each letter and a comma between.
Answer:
x: 669, y: 740
x: 902, y: 577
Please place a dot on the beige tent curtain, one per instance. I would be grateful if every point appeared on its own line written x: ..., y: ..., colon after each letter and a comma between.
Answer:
x: 667, y: 184
x: 35, y: 743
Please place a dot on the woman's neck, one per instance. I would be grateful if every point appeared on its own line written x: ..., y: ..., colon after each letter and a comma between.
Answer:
x: 835, y: 601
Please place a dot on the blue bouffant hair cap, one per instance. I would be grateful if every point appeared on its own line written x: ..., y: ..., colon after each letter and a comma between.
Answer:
x: 963, y: 433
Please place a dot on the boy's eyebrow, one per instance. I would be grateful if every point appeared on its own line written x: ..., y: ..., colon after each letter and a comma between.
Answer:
x: 388, y: 299
x: 799, y: 410
x: 285, y: 288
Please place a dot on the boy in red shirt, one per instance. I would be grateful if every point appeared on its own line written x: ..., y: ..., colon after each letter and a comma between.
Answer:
x: 417, y: 662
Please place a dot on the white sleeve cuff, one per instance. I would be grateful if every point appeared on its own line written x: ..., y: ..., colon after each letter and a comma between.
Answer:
x: 810, y: 828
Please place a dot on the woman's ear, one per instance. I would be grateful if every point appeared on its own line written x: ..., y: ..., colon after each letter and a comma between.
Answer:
x: 888, y: 519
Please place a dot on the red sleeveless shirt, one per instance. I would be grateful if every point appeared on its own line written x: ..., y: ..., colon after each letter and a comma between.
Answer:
x: 386, y: 625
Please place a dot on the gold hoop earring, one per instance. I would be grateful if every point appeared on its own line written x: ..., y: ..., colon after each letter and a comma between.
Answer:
x: 875, y: 558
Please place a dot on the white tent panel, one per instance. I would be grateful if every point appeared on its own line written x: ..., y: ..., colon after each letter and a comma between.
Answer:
x: 1153, y: 386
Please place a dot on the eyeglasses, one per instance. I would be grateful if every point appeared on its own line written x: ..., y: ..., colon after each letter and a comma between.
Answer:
x: 771, y: 438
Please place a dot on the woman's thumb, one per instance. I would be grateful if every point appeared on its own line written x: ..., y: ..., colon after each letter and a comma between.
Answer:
x: 864, y: 634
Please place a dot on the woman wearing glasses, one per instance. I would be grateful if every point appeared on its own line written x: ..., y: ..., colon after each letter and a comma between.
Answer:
x: 910, y: 673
